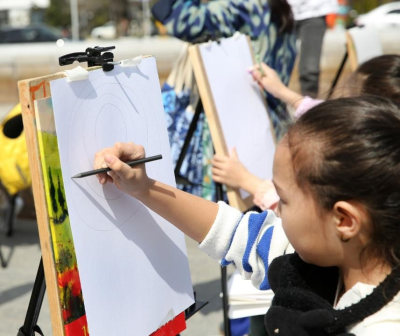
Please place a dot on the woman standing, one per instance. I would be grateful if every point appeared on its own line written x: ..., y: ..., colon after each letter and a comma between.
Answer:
x: 269, y: 24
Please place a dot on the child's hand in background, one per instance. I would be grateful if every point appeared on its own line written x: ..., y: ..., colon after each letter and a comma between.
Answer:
x: 131, y: 180
x: 231, y: 172
x: 228, y: 170
x: 270, y: 82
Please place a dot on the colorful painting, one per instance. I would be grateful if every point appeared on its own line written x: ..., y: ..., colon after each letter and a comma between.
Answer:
x: 69, y: 285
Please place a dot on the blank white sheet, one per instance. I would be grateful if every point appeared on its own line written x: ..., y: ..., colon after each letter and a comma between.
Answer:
x: 132, y: 263
x: 367, y: 43
x: 239, y: 103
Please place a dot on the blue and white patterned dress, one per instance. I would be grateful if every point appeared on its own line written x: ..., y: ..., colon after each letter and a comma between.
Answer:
x: 189, y: 20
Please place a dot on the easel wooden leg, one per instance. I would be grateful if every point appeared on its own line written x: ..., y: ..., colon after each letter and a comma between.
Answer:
x: 225, y: 301
x: 30, y: 326
x: 192, y: 128
x: 10, y: 219
x: 339, y: 72
x: 2, y: 259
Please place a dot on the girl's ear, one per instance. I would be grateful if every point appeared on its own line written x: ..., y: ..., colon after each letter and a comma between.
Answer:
x: 349, y: 219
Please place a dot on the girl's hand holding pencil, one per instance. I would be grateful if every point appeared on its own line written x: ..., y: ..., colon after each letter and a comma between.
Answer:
x: 131, y: 180
x: 268, y: 79
x: 190, y: 214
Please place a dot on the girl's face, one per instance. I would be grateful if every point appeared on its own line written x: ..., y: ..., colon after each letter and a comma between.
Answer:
x: 310, y: 230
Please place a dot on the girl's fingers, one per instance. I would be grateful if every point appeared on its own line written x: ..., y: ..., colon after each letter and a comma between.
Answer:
x: 233, y: 154
x: 254, y: 67
x: 219, y: 158
x: 220, y: 161
x: 120, y: 152
x: 258, y: 76
x: 111, y: 176
x: 217, y: 171
x: 128, y: 151
x: 99, y: 163
x: 266, y: 68
x: 217, y: 179
x: 121, y: 169
x: 217, y: 164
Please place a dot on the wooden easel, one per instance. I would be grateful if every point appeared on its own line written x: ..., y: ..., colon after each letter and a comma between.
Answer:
x: 29, y: 91
x: 210, y: 109
x: 361, y: 45
x: 206, y: 101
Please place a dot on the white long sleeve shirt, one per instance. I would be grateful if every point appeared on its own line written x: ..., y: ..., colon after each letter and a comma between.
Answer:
x: 307, y: 9
x: 253, y: 240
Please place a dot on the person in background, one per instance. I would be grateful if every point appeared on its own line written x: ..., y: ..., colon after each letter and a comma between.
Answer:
x: 310, y: 16
x: 380, y: 76
x: 269, y: 24
x: 331, y: 252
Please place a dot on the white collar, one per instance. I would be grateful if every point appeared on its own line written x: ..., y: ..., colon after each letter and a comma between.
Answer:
x: 353, y: 295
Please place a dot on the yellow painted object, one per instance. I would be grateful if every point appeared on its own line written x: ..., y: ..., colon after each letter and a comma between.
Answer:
x: 162, y: 30
x: 14, y: 166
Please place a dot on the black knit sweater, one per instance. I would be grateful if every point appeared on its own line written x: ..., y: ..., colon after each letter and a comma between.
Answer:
x: 304, y: 296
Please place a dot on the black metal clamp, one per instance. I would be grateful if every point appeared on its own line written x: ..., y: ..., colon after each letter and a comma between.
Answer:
x: 93, y: 56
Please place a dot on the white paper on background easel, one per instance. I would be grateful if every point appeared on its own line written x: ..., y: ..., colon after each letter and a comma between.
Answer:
x: 132, y: 263
x: 240, y: 104
x: 367, y: 43
x: 246, y: 300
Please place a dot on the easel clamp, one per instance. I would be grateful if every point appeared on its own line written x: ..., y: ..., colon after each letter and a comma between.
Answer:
x: 94, y: 57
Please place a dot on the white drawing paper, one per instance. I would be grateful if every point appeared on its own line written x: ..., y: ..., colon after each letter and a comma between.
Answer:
x: 239, y: 103
x: 132, y: 263
x: 367, y: 43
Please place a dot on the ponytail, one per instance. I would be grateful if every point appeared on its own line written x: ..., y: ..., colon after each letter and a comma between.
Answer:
x: 281, y: 15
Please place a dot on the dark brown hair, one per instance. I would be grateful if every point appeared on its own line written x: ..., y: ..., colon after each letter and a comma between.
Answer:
x: 281, y: 15
x: 348, y: 149
x: 380, y: 76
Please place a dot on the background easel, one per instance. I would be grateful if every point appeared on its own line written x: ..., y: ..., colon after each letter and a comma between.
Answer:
x: 362, y: 44
x: 219, y: 144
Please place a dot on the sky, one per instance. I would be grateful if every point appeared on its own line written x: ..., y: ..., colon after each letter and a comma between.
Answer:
x: 22, y: 4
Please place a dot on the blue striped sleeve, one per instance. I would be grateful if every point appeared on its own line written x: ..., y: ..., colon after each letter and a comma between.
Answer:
x: 249, y: 241
x: 263, y: 249
x: 255, y: 224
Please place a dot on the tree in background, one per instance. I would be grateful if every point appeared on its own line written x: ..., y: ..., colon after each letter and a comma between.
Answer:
x: 92, y: 13
x: 58, y: 14
x: 364, y: 6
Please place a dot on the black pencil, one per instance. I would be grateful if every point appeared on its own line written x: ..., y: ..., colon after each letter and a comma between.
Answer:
x: 129, y: 163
